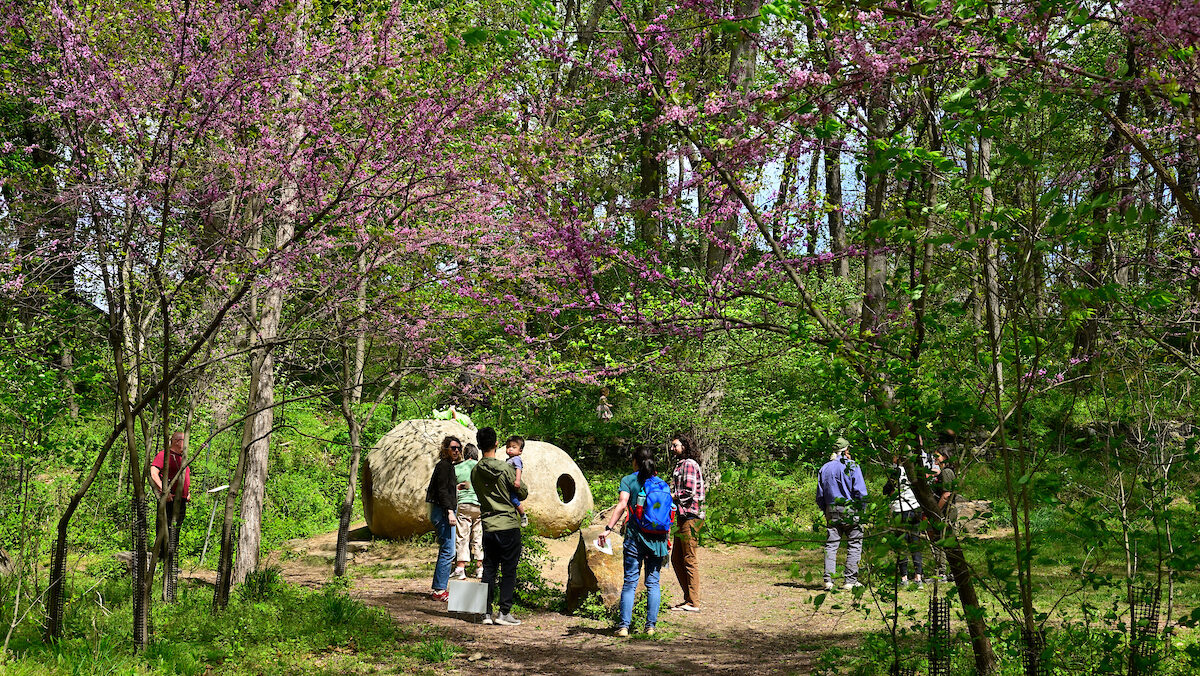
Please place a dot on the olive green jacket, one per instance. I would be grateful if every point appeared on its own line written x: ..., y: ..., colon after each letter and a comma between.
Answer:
x: 492, y: 479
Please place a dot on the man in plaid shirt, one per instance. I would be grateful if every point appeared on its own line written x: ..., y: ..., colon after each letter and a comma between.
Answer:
x: 687, y: 492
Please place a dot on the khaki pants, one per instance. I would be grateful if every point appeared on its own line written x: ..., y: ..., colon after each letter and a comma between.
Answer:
x: 469, y: 531
x: 685, y: 559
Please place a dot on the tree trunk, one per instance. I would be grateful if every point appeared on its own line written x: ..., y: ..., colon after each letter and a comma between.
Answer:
x: 988, y: 264
x: 258, y: 453
x: 833, y: 202
x: 875, y: 264
x: 649, y: 181
x: 228, y: 527
x: 706, y: 434
x: 360, y: 340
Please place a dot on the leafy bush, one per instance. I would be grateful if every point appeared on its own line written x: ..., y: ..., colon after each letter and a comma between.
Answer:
x: 261, y: 585
x: 534, y: 590
x: 764, y: 503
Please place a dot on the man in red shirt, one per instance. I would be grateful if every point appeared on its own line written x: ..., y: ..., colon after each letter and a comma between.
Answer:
x: 175, y: 508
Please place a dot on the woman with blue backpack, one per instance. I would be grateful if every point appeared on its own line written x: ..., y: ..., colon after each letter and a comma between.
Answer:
x: 651, y: 514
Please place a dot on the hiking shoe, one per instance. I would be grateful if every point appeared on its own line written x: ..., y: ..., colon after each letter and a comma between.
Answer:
x: 622, y: 631
x: 828, y: 586
x: 487, y: 619
x: 507, y: 618
x: 458, y: 574
x: 524, y: 520
x: 440, y: 595
x: 650, y: 631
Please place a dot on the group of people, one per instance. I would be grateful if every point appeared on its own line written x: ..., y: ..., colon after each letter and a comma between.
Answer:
x: 476, y: 509
x: 475, y: 506
x: 842, y: 494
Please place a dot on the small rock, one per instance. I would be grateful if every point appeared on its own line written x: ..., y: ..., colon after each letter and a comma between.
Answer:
x: 475, y: 657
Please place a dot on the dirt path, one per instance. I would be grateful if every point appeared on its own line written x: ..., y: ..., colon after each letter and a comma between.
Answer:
x: 756, y: 617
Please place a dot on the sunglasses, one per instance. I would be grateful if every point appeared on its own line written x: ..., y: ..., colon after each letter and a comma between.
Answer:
x: 456, y: 448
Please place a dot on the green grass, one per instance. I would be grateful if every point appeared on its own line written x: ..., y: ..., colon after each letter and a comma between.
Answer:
x: 275, y: 628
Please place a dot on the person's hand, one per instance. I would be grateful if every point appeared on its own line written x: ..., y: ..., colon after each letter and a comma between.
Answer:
x: 463, y: 485
x: 603, y: 539
x: 453, y: 519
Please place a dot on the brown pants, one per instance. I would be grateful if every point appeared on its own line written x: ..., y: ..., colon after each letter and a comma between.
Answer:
x: 685, y: 559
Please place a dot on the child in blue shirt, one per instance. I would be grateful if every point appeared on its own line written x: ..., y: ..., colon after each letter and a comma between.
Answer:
x: 514, y: 446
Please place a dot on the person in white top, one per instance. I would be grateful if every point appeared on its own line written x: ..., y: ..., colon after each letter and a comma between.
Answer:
x: 907, y: 511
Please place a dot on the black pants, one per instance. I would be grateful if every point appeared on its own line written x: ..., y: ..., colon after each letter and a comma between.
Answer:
x: 501, y: 549
x: 910, y: 521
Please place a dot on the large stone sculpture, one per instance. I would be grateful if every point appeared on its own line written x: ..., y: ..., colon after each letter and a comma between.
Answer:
x: 397, y: 471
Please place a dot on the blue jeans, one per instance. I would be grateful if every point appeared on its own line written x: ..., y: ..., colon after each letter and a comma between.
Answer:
x: 635, y: 556
x: 445, y: 537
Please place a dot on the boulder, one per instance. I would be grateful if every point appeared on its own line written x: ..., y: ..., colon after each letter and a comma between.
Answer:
x: 591, y: 570
x: 397, y: 470
x: 560, y: 498
x: 972, y: 516
x: 7, y: 565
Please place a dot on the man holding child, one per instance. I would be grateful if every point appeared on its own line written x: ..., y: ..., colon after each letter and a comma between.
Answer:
x: 496, y: 486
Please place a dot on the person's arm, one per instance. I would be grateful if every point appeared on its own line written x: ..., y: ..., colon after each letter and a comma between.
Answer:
x: 155, y: 479
x: 820, y: 493
x: 947, y: 490
x: 614, y: 518
x: 518, y: 489
x: 443, y: 489
x: 517, y: 479
x: 858, y: 486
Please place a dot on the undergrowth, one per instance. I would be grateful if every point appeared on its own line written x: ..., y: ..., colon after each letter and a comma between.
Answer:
x: 270, y: 627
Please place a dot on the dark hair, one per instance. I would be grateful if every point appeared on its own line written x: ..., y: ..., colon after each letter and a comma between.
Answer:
x: 689, y: 449
x: 514, y: 439
x: 471, y: 452
x: 486, y: 438
x: 444, y: 453
x: 644, y: 457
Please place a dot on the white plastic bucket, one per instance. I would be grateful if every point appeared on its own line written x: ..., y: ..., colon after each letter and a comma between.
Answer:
x: 467, y: 597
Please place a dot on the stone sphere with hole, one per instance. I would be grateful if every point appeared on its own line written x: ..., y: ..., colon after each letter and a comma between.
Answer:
x: 397, y: 470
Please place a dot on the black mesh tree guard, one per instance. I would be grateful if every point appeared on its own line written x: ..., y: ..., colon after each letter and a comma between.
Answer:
x: 1143, y: 635
x: 939, y: 636
x: 1031, y: 654
x: 138, y: 531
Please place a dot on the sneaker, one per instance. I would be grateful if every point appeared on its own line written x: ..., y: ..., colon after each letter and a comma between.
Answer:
x: 487, y: 619
x: 650, y: 631
x: 904, y: 581
x: 458, y: 574
x: 828, y: 586
x: 623, y: 632
x: 920, y: 585
x: 507, y: 618
x: 479, y: 573
x: 524, y: 520
x: 440, y: 595
x: 849, y: 586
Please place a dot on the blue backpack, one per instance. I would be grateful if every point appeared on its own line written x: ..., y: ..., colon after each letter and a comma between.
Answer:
x: 654, y: 513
